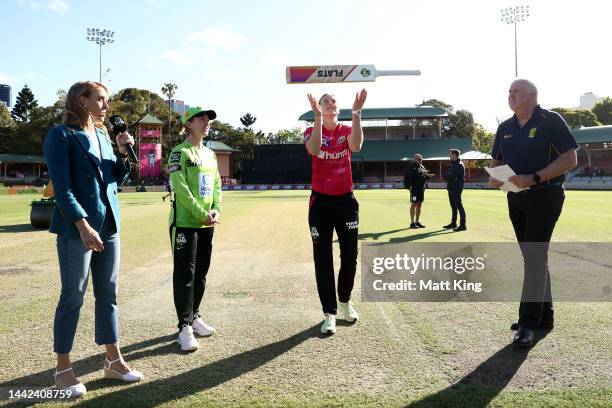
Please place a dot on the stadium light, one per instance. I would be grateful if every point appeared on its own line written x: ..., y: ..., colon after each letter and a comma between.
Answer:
x: 514, y: 15
x: 100, y: 37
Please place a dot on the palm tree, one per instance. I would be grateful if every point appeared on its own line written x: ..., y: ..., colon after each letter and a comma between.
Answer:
x: 168, y: 89
x: 248, y: 120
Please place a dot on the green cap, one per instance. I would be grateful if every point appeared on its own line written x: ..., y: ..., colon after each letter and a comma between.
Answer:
x: 195, y: 111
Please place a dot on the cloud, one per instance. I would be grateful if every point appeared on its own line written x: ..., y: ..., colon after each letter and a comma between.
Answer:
x: 215, y: 37
x: 274, y: 57
x: 203, y: 44
x: 178, y: 57
x: 57, y: 6
x: 215, y: 75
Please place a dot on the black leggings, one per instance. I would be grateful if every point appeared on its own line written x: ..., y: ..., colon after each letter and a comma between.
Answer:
x: 192, y: 249
x: 327, y: 213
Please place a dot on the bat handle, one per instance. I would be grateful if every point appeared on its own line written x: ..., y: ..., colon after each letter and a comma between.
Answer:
x: 398, y: 72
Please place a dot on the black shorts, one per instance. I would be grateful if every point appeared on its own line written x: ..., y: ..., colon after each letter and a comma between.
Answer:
x: 417, y: 195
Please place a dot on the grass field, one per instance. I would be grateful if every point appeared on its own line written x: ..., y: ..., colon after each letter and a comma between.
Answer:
x: 261, y: 297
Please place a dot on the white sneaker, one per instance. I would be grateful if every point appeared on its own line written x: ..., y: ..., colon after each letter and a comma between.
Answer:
x: 186, y: 339
x: 202, y: 329
x: 348, y: 312
x: 329, y: 324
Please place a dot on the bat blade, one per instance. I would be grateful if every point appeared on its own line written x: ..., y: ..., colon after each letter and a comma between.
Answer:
x: 330, y: 74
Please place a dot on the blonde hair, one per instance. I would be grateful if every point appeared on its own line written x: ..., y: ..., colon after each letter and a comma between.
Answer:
x: 75, y: 113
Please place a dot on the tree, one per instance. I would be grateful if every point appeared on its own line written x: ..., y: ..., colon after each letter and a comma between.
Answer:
x: 603, y: 111
x: 24, y: 105
x: 483, y: 139
x: 7, y: 130
x: 248, y: 120
x: 133, y: 103
x: 458, y: 124
x: 60, y: 103
x: 285, y: 136
x: 6, y: 121
x: 576, y: 118
x: 462, y: 124
x: 438, y: 103
x: 169, y: 89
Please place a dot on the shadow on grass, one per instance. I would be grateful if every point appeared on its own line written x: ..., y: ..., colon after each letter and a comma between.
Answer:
x: 376, y: 235
x: 178, y: 386
x: 413, y: 237
x: 478, y: 388
x: 87, y: 365
x: 199, y: 379
x: 5, y: 229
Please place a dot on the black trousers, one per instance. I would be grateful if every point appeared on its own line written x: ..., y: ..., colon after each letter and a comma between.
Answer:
x: 326, y: 214
x: 534, y: 213
x: 192, y: 249
x: 454, y: 198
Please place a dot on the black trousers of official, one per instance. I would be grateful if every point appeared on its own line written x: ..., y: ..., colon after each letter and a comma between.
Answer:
x: 326, y: 214
x: 454, y: 198
x: 192, y: 250
x: 534, y: 213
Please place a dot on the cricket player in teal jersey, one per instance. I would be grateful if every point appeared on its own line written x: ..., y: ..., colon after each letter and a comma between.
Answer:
x: 195, y: 211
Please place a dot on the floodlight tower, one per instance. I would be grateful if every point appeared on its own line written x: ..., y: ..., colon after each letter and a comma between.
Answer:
x: 100, y: 37
x: 514, y: 15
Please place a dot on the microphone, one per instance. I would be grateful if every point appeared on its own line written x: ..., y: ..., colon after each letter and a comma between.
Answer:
x: 120, y: 126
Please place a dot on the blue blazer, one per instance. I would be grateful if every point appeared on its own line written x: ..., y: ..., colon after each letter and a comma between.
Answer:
x: 83, y: 184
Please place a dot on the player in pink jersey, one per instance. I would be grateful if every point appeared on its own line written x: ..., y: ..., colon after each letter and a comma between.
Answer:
x: 332, y: 203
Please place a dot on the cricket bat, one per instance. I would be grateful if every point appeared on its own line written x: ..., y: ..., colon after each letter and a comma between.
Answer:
x: 340, y: 73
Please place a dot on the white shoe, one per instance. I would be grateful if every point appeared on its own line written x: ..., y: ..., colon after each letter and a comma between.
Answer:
x: 129, y: 377
x: 186, y: 339
x: 202, y: 329
x: 348, y: 312
x: 76, y: 391
x: 329, y: 324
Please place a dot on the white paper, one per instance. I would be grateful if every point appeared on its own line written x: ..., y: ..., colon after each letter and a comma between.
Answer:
x: 503, y: 173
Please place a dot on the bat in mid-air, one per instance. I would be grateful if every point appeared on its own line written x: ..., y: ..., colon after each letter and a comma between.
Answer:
x: 340, y: 73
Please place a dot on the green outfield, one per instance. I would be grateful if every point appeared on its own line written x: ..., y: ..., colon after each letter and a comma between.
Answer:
x: 261, y: 297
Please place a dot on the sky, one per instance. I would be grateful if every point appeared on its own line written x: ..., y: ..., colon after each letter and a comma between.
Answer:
x: 231, y: 56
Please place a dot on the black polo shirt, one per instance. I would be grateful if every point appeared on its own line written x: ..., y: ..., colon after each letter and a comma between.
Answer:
x: 535, y: 145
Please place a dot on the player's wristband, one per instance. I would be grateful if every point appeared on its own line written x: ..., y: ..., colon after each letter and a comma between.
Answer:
x: 357, y: 113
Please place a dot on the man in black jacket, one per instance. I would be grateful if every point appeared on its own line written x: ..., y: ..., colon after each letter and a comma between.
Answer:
x: 416, y: 180
x: 455, y: 178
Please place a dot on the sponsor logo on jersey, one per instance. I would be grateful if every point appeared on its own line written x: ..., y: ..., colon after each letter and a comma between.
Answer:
x: 507, y: 136
x: 314, y: 233
x: 341, y: 139
x: 325, y: 155
x: 180, y: 240
x: 532, y: 133
x: 351, y: 225
x: 196, y: 163
x: 174, y: 167
x: 324, y: 141
x: 175, y: 157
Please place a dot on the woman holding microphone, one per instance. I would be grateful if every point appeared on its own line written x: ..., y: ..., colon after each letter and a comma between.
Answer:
x: 85, y: 173
x: 332, y: 203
